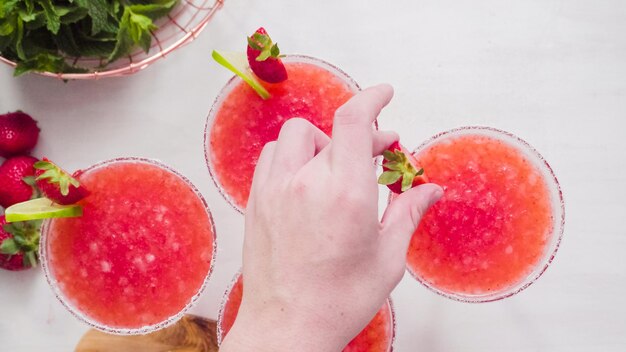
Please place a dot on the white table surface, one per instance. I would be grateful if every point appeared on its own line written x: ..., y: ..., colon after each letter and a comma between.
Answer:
x: 551, y: 71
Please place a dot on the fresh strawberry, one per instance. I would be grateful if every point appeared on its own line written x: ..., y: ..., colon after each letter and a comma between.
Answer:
x: 17, y: 180
x: 58, y: 185
x: 400, y: 169
x: 264, y: 58
x: 19, y: 244
x: 18, y: 134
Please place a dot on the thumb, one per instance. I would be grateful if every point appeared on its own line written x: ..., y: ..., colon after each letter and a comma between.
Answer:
x: 404, y: 214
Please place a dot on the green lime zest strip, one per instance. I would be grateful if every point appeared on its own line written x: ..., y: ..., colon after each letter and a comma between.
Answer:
x: 41, y: 208
x: 238, y: 64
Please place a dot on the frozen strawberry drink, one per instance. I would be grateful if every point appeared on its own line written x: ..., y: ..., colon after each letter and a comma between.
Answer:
x: 499, y: 223
x: 139, y: 255
x: 241, y: 122
x: 376, y: 337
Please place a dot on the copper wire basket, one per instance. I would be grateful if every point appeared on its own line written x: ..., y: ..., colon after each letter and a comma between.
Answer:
x: 179, y: 27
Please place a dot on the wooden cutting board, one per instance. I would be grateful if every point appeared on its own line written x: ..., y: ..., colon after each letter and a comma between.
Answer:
x: 190, y: 334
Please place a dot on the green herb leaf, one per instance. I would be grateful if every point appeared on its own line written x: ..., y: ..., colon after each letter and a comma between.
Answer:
x: 30, y: 5
x: 6, y: 27
x: 65, y: 41
x: 114, y: 8
x: 74, y: 15
x: 98, y: 10
x: 52, y: 17
x: 124, y: 41
x: 45, y: 62
x: 140, y: 27
x: 7, y: 7
x: 27, y: 17
x: 96, y: 47
x: 40, y: 35
x: 20, y: 36
x: 38, y: 22
x: 155, y: 10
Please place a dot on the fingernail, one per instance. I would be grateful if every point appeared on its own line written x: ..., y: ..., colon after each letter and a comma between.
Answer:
x: 435, y: 195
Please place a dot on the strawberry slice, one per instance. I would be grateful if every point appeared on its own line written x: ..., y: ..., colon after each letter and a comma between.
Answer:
x: 264, y: 58
x: 401, y: 171
x: 58, y: 185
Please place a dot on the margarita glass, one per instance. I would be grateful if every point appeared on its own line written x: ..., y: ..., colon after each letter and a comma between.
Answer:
x: 499, y: 223
x: 377, y: 336
x: 140, y: 255
x: 240, y: 122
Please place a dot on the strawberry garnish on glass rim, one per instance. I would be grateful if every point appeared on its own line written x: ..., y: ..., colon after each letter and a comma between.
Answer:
x: 58, y: 185
x: 264, y: 57
x: 401, y: 171
x: 260, y: 62
x: 61, y: 191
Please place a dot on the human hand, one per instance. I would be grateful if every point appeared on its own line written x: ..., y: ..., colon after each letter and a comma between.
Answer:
x: 317, y: 262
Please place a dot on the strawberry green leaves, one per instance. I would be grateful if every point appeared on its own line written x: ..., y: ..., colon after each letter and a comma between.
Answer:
x: 263, y: 43
x: 8, y: 246
x: 400, y: 171
x: 58, y: 185
x: 31, y: 181
x: 389, y: 177
x: 24, y: 240
x: 264, y: 57
x: 54, y: 174
x: 39, y: 34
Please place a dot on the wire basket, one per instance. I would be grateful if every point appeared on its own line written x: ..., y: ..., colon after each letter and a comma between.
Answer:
x: 179, y: 27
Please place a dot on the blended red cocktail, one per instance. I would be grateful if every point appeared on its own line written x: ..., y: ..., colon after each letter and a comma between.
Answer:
x: 500, y: 220
x: 141, y: 252
x: 241, y: 122
x: 376, y: 337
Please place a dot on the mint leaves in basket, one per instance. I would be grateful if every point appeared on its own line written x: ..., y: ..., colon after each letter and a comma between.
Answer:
x: 48, y: 35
